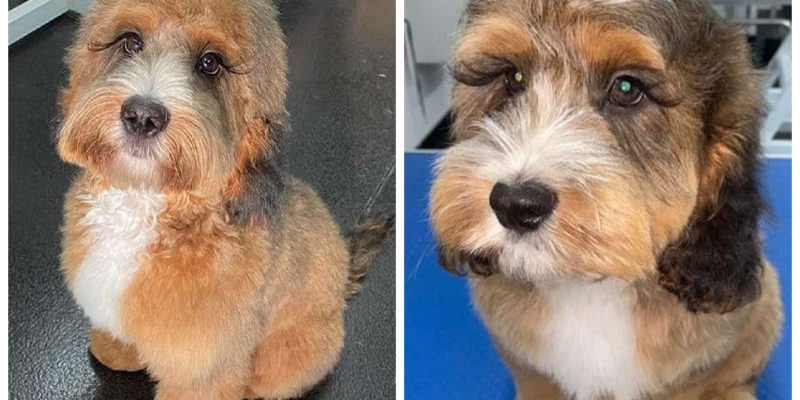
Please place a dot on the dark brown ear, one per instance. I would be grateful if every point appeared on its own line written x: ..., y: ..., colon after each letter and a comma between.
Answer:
x: 716, y: 264
x: 256, y: 191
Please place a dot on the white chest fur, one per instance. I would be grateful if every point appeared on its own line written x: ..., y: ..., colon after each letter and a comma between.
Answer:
x: 588, y: 341
x: 121, y: 225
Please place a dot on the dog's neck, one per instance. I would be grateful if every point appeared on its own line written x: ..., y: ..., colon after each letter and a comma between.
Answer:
x: 189, y: 205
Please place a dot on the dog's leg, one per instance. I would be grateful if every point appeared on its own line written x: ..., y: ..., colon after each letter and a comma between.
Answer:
x: 228, y: 385
x: 701, y: 392
x: 743, y: 392
x: 530, y: 385
x: 112, y: 353
x: 292, y: 359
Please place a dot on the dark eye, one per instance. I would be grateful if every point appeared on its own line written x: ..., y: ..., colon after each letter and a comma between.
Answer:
x: 209, y: 64
x: 626, y: 92
x: 515, y: 81
x: 132, y: 43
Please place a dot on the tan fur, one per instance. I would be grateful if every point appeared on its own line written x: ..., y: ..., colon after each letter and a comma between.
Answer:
x: 617, y: 44
x: 499, y: 36
x: 215, y: 310
x: 645, y: 212
x: 208, y: 286
x: 617, y: 246
x: 530, y: 384
x: 113, y: 353
x: 495, y: 36
x: 257, y: 91
x: 449, y: 224
x: 706, y: 357
x: 751, y: 330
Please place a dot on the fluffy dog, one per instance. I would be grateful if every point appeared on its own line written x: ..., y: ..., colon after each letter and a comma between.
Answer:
x: 602, y: 193
x: 192, y: 252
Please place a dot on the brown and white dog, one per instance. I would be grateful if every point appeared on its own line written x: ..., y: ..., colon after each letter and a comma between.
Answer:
x: 192, y: 252
x: 602, y: 192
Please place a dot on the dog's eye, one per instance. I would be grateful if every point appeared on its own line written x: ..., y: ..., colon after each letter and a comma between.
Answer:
x: 132, y: 43
x: 209, y: 64
x: 515, y: 82
x: 626, y: 92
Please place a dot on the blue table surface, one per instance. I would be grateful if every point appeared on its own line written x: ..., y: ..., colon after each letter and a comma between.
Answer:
x: 448, y: 353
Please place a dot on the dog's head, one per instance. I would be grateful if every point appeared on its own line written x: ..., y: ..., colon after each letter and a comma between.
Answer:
x: 599, y: 138
x: 175, y: 96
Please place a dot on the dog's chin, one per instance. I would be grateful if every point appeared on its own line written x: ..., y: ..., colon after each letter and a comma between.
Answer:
x: 133, y: 171
x: 528, y: 263
x: 140, y: 148
x: 533, y: 259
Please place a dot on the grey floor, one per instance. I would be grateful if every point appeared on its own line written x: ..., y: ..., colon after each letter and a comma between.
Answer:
x: 14, y: 3
x: 342, y: 101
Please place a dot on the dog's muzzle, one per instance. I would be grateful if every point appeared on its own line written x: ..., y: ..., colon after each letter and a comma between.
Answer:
x: 522, y: 207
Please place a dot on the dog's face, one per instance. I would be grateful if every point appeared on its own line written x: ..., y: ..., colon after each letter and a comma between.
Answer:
x: 173, y: 96
x: 590, y: 136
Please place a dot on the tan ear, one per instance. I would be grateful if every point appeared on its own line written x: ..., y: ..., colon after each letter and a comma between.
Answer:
x: 256, y: 187
x: 715, y: 266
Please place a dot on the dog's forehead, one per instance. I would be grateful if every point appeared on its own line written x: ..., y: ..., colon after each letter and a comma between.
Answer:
x: 207, y: 21
x: 643, y: 32
x: 527, y: 40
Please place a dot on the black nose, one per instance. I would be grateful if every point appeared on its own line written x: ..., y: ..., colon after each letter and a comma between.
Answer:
x: 522, y: 207
x: 144, y: 117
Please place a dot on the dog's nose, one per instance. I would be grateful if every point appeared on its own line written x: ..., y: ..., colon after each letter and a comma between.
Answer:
x: 522, y: 207
x: 144, y: 117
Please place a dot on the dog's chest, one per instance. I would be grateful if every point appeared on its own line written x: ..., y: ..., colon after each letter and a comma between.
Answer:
x: 588, y: 343
x: 121, y: 225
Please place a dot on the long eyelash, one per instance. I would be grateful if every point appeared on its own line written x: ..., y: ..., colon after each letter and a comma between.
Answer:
x: 203, y: 50
x: 95, y: 47
x: 480, y: 73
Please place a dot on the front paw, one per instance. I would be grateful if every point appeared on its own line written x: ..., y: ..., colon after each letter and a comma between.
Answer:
x: 114, y: 354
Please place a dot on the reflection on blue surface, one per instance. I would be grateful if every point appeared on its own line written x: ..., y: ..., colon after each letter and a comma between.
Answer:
x: 448, y: 354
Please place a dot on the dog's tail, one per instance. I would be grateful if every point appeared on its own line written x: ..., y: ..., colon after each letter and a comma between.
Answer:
x: 365, y: 240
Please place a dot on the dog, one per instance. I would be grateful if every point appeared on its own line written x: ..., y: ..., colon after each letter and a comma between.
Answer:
x: 191, y: 250
x: 601, y: 193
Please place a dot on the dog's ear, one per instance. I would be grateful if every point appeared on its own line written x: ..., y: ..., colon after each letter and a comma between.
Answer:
x: 256, y: 189
x: 715, y: 265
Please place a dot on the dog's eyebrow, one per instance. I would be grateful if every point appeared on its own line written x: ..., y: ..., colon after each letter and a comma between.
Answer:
x: 219, y: 43
x: 495, y: 37
x: 603, y: 44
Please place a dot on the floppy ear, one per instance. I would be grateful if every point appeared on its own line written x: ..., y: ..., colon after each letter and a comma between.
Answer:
x: 256, y: 187
x: 256, y: 190
x: 715, y: 266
